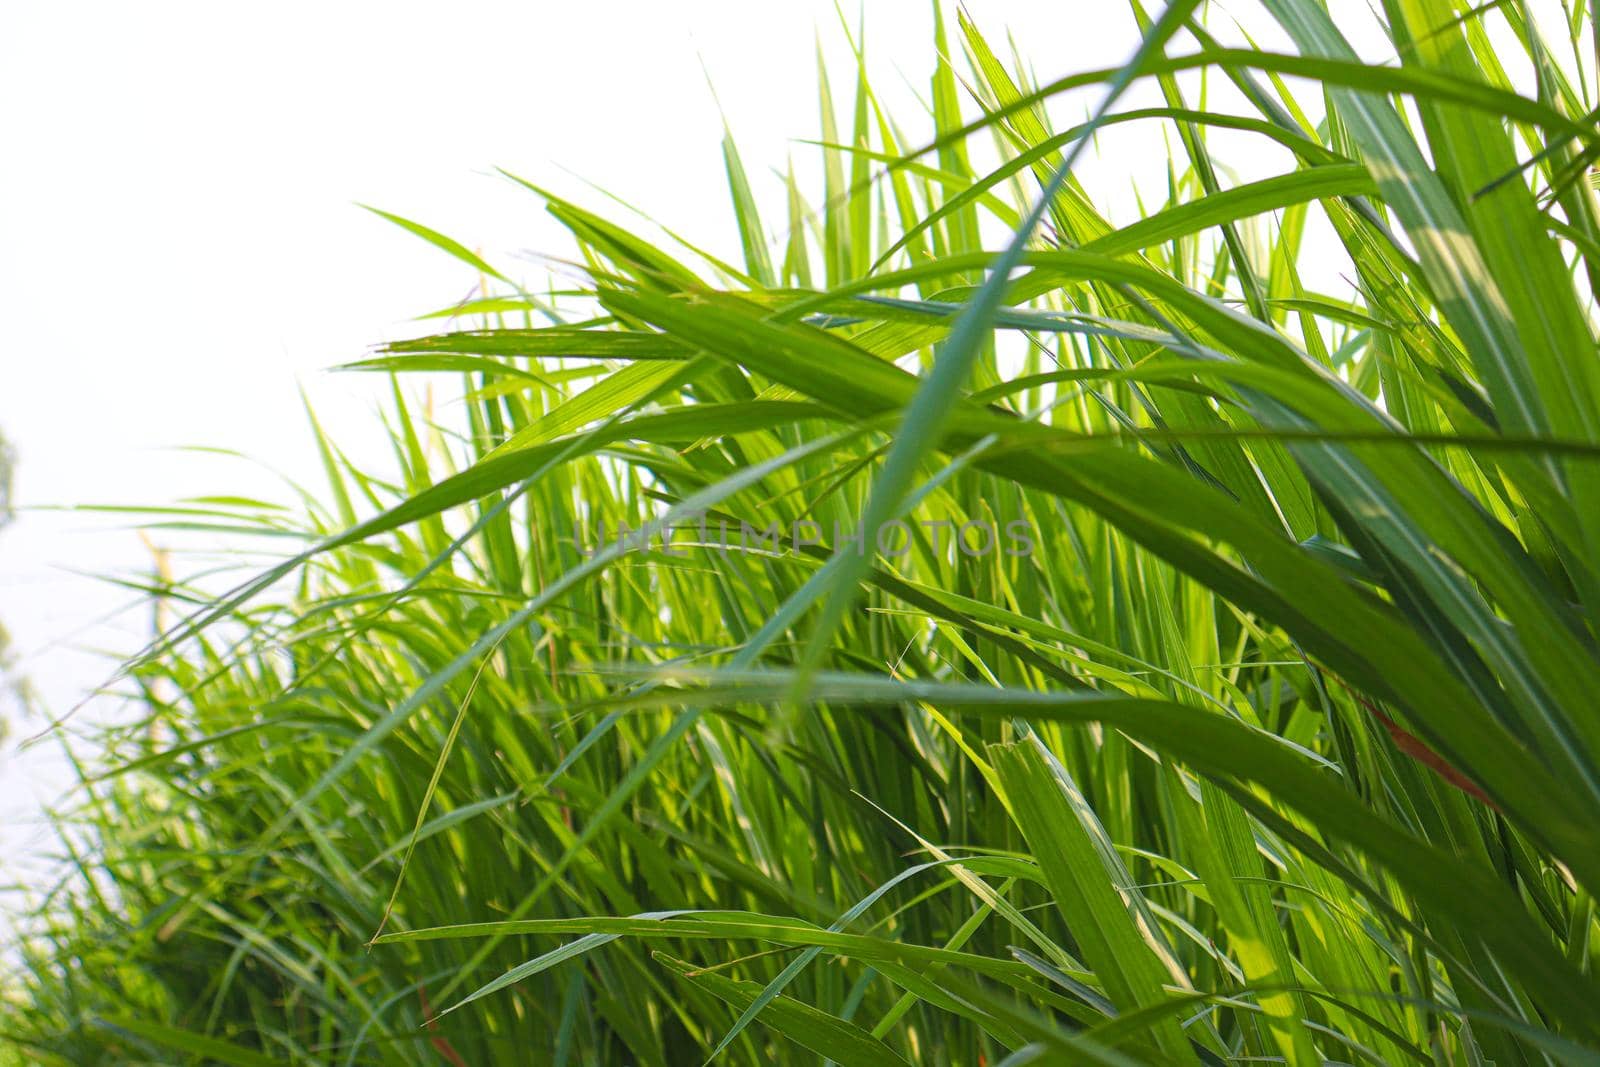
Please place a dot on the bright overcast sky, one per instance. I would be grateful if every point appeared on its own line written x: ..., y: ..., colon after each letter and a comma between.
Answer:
x: 180, y: 252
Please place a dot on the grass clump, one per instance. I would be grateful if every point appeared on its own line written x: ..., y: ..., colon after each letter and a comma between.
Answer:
x: 1280, y: 743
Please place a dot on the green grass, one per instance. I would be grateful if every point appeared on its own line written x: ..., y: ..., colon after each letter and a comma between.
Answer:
x: 1282, y: 745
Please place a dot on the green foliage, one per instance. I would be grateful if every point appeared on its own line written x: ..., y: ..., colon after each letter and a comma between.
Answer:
x: 1281, y: 743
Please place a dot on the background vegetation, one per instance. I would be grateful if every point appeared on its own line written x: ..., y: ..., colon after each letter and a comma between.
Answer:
x: 1281, y: 745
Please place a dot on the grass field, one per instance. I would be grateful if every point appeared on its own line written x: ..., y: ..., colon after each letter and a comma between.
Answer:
x: 1278, y: 741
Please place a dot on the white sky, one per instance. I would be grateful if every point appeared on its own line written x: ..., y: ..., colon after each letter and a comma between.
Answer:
x: 180, y: 253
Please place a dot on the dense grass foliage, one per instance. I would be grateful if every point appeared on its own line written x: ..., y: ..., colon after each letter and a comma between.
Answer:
x: 1281, y: 743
